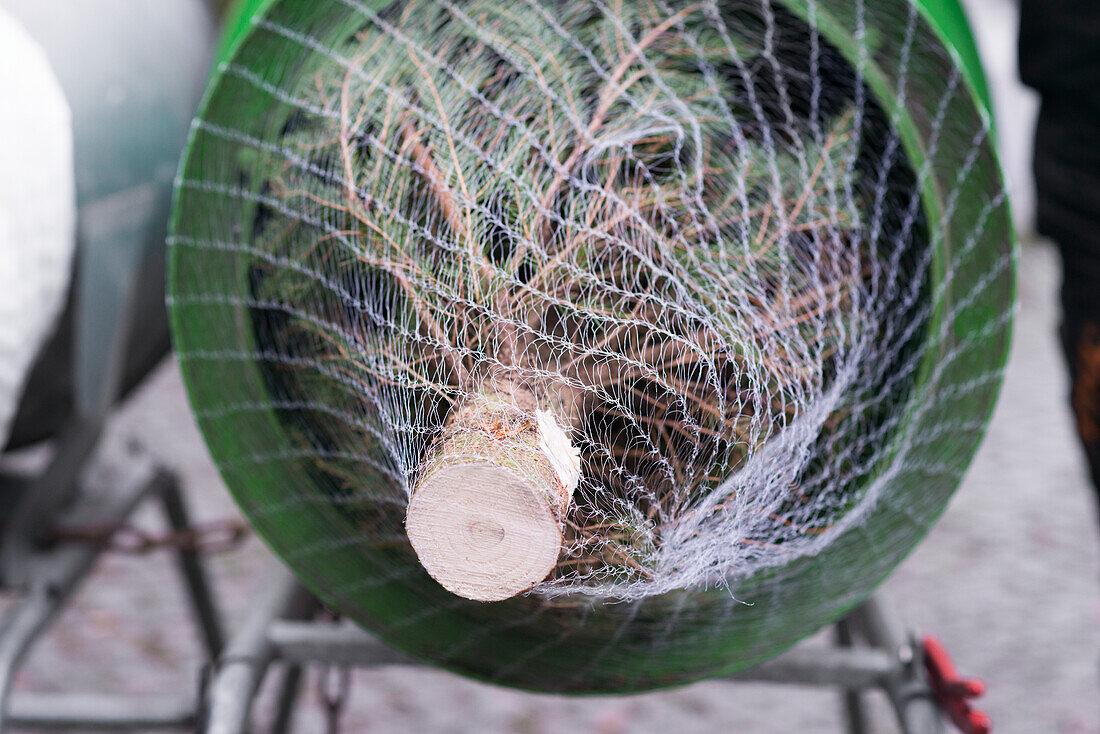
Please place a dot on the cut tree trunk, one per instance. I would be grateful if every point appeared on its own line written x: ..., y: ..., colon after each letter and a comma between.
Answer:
x: 486, y: 515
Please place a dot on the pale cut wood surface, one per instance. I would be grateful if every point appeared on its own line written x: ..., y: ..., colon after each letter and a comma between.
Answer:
x: 486, y: 517
x: 483, y: 532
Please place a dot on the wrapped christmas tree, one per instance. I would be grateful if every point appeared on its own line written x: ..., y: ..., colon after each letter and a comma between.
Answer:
x: 661, y: 321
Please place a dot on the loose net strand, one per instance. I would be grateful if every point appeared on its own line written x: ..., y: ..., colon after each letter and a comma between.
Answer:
x: 695, y: 232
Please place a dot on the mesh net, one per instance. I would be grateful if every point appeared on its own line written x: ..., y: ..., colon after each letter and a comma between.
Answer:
x: 752, y: 258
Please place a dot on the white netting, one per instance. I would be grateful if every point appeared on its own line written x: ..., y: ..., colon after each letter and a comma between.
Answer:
x: 754, y: 257
x: 621, y: 207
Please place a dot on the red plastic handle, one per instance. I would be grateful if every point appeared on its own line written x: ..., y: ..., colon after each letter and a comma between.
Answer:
x: 952, y: 691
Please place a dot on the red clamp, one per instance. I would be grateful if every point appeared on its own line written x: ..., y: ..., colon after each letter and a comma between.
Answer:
x: 953, y: 692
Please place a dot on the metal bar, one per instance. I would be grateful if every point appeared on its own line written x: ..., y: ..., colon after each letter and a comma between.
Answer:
x: 194, y: 574
x: 246, y: 658
x: 852, y: 668
x: 879, y: 625
x: 96, y: 712
x: 916, y: 707
x: 335, y: 644
x: 851, y: 699
x: 289, y: 688
x: 29, y: 617
x: 908, y: 690
x: 332, y: 644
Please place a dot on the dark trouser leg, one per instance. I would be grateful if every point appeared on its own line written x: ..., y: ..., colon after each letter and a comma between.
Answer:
x: 1081, y: 343
x: 1060, y: 58
x: 1067, y: 173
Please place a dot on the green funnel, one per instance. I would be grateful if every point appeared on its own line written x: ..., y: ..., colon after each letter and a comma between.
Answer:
x: 891, y: 448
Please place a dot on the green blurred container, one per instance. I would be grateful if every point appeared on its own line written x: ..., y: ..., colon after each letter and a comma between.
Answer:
x: 667, y: 640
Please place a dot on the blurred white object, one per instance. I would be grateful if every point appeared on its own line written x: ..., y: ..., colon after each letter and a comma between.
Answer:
x: 37, y: 208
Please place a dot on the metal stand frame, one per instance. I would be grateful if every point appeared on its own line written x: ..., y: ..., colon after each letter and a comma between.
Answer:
x: 46, y: 575
x: 276, y: 631
x: 872, y: 651
x: 107, y: 293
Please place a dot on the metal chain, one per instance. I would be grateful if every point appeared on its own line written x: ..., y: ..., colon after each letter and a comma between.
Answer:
x: 212, y: 537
